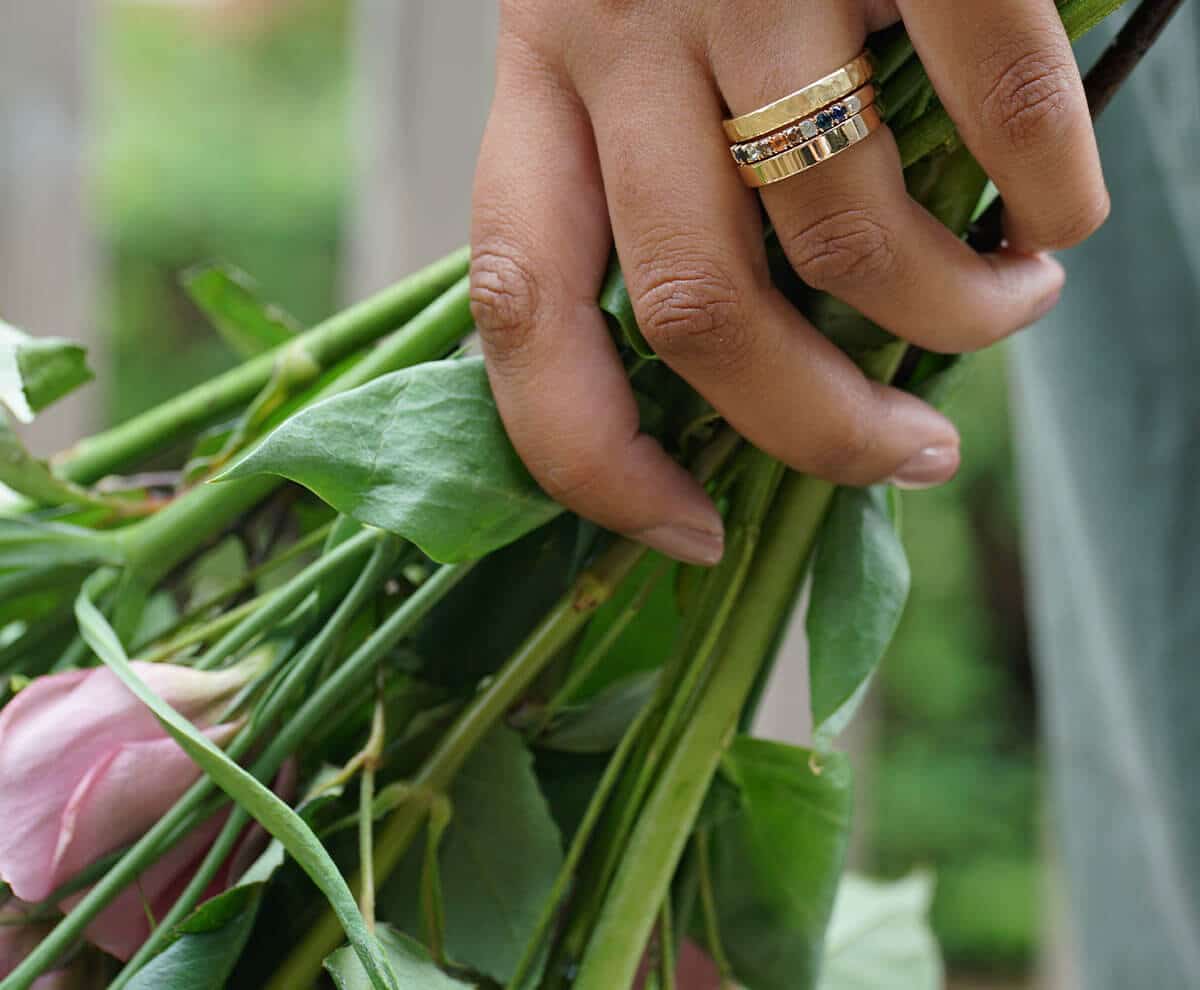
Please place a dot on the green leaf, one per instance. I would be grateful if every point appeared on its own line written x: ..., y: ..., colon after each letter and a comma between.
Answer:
x: 206, y: 944
x: 420, y: 452
x: 36, y: 371
x: 257, y: 800
x: 29, y: 543
x: 499, y: 858
x: 776, y: 863
x: 26, y: 475
x: 879, y: 937
x: 618, y: 307
x: 599, y: 726
x: 859, y: 586
x: 230, y: 300
x: 414, y: 968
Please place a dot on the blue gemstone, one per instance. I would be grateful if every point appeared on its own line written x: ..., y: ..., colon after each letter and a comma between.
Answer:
x: 838, y: 113
x: 824, y: 121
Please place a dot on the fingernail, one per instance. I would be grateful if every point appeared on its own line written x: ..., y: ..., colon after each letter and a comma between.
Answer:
x: 694, y: 546
x: 928, y: 467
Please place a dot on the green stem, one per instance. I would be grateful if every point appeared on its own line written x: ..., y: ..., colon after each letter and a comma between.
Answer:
x: 594, y: 587
x: 579, y: 842
x: 663, y: 828
x: 319, y: 706
x: 708, y: 905
x: 666, y: 945
x: 582, y: 670
x: 92, y: 459
x: 185, y: 622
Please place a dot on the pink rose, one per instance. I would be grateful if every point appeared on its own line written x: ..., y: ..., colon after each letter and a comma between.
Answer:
x: 85, y: 769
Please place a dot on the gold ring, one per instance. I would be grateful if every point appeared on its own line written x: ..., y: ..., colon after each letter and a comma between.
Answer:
x: 750, y: 152
x: 819, y: 149
x: 803, y: 102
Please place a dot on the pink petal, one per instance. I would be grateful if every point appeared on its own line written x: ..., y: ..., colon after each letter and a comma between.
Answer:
x: 55, y: 730
x: 119, y: 798
x: 123, y: 926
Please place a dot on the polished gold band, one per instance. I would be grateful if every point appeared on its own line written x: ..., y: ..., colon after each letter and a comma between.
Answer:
x: 812, y: 153
x: 801, y: 103
x: 751, y: 152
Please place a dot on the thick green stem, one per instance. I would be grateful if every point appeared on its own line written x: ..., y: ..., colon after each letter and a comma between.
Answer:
x: 663, y: 828
x: 594, y: 587
x: 92, y: 459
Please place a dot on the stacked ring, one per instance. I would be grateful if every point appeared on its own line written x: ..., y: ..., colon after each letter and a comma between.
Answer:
x: 807, y: 127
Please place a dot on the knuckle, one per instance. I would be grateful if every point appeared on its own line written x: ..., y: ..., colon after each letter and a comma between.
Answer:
x: 849, y: 245
x: 690, y: 309
x: 842, y: 453
x: 1029, y: 98
x: 504, y: 294
x: 566, y: 478
x: 1082, y: 222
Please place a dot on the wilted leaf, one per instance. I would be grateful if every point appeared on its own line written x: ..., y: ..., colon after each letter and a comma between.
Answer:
x: 36, y: 371
x: 229, y: 298
x: 859, y: 585
x: 411, y: 963
x: 776, y: 862
x: 879, y: 937
x: 420, y: 452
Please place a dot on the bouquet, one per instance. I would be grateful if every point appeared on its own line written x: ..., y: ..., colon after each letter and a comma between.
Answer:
x: 341, y: 690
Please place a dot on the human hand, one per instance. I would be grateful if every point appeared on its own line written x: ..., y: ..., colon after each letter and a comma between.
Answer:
x: 606, y: 127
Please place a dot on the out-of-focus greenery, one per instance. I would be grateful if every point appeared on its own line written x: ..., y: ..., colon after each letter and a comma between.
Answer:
x: 956, y: 784
x: 218, y: 136
x: 219, y: 141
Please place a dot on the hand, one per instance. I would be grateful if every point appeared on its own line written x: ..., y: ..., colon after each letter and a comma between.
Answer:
x: 609, y: 111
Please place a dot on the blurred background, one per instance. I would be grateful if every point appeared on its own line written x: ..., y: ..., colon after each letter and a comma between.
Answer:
x: 326, y: 147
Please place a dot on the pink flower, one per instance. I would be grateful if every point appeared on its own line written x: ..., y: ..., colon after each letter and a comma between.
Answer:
x: 85, y: 769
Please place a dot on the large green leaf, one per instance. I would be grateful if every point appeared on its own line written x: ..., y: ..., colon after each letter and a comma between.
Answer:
x: 206, y: 944
x: 410, y: 962
x: 776, y: 862
x: 859, y: 585
x: 229, y: 298
x: 499, y: 858
x: 36, y: 371
x: 420, y: 452
x: 879, y: 937
x: 257, y: 800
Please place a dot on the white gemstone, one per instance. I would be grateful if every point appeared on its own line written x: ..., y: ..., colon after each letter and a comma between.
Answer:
x: 808, y: 129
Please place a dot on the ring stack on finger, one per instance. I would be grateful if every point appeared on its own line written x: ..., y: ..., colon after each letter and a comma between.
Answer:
x: 810, y: 126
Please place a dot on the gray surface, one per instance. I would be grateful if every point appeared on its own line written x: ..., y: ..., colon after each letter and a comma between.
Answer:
x: 1109, y: 390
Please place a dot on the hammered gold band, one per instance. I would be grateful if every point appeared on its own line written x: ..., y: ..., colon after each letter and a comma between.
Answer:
x: 803, y: 102
x: 812, y: 153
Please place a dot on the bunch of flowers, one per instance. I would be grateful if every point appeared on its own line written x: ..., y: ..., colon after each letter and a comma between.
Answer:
x: 347, y: 691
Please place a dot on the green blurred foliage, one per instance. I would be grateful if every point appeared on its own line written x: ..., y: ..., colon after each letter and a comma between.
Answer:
x: 218, y: 137
x: 956, y: 785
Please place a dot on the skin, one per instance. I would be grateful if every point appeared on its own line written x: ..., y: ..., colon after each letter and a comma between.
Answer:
x: 606, y: 128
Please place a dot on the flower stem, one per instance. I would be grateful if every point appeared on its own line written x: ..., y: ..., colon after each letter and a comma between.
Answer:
x: 92, y: 459
x: 662, y: 831
x: 594, y: 587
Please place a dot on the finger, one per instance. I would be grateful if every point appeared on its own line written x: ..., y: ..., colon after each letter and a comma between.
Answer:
x: 540, y: 242
x: 690, y: 242
x: 849, y: 227
x: 1006, y: 74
